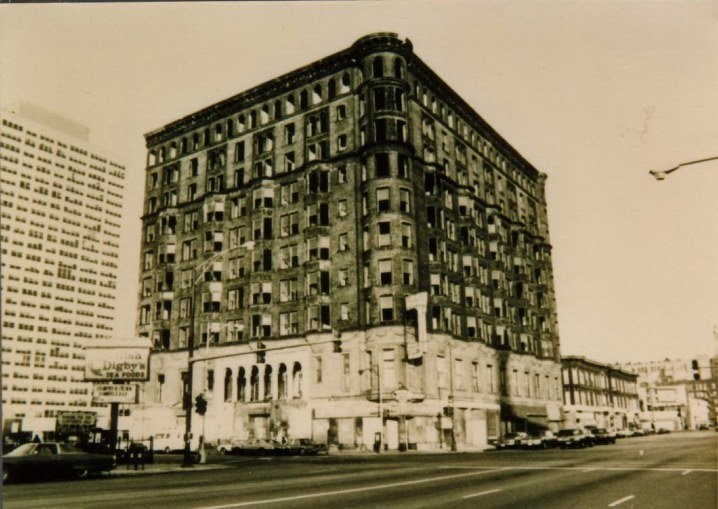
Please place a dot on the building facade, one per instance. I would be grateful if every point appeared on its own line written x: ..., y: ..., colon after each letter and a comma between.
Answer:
x: 61, y: 213
x: 596, y: 394
x: 677, y: 394
x: 366, y: 229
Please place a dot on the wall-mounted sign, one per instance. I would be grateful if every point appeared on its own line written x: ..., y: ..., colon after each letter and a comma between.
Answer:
x: 114, y: 393
x: 117, y: 360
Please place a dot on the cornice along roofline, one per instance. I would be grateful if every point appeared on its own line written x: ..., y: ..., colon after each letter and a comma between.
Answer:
x: 371, y: 43
x: 276, y: 86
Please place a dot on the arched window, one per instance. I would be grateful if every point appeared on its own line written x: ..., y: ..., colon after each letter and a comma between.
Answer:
x: 241, y: 125
x: 195, y: 141
x: 268, y: 382
x: 162, y: 154
x: 230, y: 128
x: 173, y: 150
x: 254, y: 384
x: 317, y: 94
x: 205, y: 140
x: 253, y: 120
x: 282, y: 381
x: 184, y: 146
x: 241, y: 385
x: 289, y: 104
x: 332, y: 89
x: 398, y: 68
x: 228, y: 385
x: 152, y: 158
x: 218, y: 132
x: 264, y: 114
x: 303, y: 100
x: 346, y: 83
x: 277, y: 109
x: 297, y: 380
x: 378, y: 67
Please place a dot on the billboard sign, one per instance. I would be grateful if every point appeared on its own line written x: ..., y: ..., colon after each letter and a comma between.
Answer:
x: 114, y: 393
x: 74, y: 422
x: 123, y: 360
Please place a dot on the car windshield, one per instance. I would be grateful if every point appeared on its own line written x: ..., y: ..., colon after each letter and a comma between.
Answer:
x: 600, y: 430
x: 23, y: 450
x: 566, y: 432
x: 69, y: 449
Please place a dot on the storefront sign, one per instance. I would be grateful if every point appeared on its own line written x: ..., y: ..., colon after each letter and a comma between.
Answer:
x: 75, y: 422
x: 114, y: 393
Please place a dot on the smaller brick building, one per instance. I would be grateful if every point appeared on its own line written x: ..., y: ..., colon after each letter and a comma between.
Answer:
x: 598, y: 394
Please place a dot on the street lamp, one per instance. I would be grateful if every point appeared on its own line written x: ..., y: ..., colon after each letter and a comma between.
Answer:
x: 661, y: 175
x: 187, y: 458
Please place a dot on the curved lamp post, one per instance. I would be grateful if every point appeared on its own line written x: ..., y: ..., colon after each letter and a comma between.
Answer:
x: 187, y: 458
x: 661, y: 175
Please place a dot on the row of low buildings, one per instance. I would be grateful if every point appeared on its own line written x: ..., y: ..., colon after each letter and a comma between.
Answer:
x: 349, y: 251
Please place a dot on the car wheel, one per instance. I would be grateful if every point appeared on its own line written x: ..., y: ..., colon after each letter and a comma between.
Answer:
x: 167, y: 450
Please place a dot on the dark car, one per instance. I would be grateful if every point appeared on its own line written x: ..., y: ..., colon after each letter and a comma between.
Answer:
x: 303, y: 447
x: 603, y: 436
x: 50, y: 459
x: 574, y: 437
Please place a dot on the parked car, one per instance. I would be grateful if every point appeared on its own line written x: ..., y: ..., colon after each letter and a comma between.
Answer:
x: 510, y: 440
x: 168, y: 442
x: 574, y: 437
x: 37, y: 460
x: 258, y: 446
x: 227, y: 446
x: 624, y: 433
x: 303, y: 447
x: 603, y: 436
x: 539, y: 440
x: 663, y: 431
x: 639, y: 432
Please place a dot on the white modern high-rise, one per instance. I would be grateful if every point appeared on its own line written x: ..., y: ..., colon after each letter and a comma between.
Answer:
x: 61, y: 213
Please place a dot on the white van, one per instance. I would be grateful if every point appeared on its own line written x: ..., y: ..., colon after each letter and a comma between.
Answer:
x: 168, y: 442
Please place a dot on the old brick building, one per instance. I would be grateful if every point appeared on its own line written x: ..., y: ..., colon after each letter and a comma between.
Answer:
x: 307, y: 210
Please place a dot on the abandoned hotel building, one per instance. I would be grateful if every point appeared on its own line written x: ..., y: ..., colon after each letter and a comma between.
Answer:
x: 354, y: 254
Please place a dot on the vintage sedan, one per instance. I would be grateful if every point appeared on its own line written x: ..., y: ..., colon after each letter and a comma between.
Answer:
x: 539, y: 440
x: 603, y: 436
x: 257, y: 447
x: 574, y: 437
x: 303, y: 447
x: 50, y: 459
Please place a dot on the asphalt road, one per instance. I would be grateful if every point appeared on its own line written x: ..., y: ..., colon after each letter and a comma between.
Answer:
x: 678, y: 470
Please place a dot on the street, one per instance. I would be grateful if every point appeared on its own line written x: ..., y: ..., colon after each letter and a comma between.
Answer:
x: 661, y: 471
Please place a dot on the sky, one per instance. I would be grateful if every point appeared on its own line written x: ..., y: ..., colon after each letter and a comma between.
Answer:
x: 594, y: 94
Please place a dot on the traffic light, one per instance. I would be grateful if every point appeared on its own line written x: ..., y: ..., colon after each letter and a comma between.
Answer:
x: 337, y: 346
x: 200, y: 404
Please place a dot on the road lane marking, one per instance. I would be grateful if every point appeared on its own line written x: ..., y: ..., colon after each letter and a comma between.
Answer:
x: 588, y: 469
x: 191, y: 481
x: 686, y: 472
x: 621, y: 500
x: 481, y: 493
x: 352, y: 490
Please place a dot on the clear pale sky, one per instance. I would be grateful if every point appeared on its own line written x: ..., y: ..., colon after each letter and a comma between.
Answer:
x: 592, y: 93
